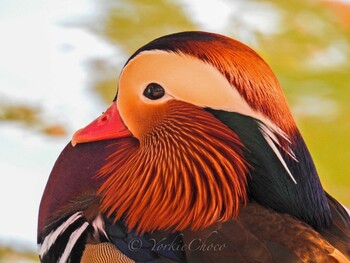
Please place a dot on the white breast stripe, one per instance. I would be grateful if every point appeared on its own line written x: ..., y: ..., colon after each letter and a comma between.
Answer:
x: 71, y: 242
x: 271, y: 140
x: 51, y: 238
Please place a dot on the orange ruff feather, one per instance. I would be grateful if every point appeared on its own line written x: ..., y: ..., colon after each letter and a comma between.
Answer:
x: 186, y: 172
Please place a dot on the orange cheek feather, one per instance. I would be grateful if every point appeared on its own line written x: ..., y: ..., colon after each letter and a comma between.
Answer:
x: 188, y: 171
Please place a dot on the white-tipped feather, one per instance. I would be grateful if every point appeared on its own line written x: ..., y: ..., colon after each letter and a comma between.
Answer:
x: 271, y: 133
x: 272, y: 140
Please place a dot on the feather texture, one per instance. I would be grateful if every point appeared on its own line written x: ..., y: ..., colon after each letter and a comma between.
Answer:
x: 187, y: 172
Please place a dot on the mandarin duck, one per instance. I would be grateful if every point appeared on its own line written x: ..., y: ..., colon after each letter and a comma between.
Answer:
x: 198, y: 159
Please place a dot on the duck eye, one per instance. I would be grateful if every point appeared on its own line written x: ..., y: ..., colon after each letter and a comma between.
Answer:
x: 154, y: 91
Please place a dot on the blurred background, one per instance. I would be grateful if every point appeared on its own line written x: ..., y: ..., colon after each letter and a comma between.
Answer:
x: 60, y: 61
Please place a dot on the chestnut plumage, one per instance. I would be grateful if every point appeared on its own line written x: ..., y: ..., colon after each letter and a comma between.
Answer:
x: 198, y: 159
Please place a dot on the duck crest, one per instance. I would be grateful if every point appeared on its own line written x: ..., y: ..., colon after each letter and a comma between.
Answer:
x: 250, y: 75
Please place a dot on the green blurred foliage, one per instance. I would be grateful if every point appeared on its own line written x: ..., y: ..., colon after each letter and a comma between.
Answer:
x: 309, y: 51
x: 311, y: 57
x: 29, y: 117
x: 9, y: 255
x: 21, y: 113
x: 129, y: 24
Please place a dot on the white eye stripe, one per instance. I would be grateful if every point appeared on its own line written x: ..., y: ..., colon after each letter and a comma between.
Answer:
x: 184, y: 78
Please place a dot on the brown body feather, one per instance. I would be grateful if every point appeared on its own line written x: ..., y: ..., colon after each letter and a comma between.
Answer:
x: 262, y: 235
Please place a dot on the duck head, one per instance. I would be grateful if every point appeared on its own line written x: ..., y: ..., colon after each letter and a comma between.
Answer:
x: 203, y: 127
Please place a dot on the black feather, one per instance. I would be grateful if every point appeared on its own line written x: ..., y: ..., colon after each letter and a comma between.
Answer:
x: 149, y: 247
x: 269, y: 183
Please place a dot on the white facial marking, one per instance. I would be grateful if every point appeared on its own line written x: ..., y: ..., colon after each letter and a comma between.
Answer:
x: 184, y: 78
x: 191, y: 80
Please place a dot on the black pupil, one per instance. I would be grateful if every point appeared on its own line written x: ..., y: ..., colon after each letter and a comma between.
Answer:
x: 154, y: 91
